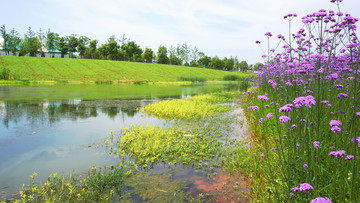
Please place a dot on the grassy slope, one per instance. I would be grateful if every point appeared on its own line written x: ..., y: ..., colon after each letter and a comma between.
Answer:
x: 45, y: 69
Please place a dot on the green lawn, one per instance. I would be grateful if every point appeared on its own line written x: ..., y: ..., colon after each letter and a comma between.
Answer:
x: 85, y: 70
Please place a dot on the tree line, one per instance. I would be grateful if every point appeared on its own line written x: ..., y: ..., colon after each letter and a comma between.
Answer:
x: 34, y: 43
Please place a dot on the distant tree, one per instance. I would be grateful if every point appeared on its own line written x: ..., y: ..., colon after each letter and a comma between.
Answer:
x: 103, y: 50
x: 123, y: 40
x: 93, y: 46
x: 162, y: 57
x: 204, y: 61
x: 52, y: 40
x: 257, y: 66
x: 173, y: 59
x: 243, y: 66
x: 216, y: 63
x: 41, y: 36
x: 83, y: 41
x: 4, y: 35
x: 63, y: 46
x: 132, y: 50
x: 14, y: 41
x: 72, y: 44
x: 195, y: 54
x: 148, y: 55
x: 229, y: 63
x: 31, y: 43
x: 186, y: 49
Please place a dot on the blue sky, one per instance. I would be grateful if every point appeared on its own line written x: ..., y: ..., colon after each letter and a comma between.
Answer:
x: 216, y: 27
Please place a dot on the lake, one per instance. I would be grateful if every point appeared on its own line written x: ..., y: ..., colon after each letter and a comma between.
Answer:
x: 48, y: 129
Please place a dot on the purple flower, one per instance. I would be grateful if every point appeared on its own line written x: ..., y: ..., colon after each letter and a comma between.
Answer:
x: 254, y: 154
x: 258, y: 42
x: 305, y: 166
x: 293, y: 126
x: 298, y: 145
x: 286, y: 108
x: 325, y: 102
x: 268, y: 34
x: 295, y: 189
x: 273, y: 149
x: 339, y: 153
x: 349, y: 157
x: 305, y: 187
x: 250, y: 146
x: 335, y: 129
x: 262, y: 98
x: 342, y: 95
x: 269, y: 115
x: 262, y: 155
x: 254, y: 107
x: 267, y: 106
x: 358, y: 114
x: 321, y: 199
x: 316, y: 144
x: 335, y: 123
x: 284, y: 119
x: 308, y: 101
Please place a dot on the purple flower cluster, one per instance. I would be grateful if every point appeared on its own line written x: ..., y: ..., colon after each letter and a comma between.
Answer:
x: 316, y: 144
x: 262, y: 98
x: 335, y: 125
x: 286, y: 108
x: 253, y: 107
x: 321, y: 199
x: 304, y: 187
x: 339, y: 153
x: 308, y: 101
x: 284, y: 119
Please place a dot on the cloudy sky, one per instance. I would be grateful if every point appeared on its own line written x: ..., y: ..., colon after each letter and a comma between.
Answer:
x: 217, y: 27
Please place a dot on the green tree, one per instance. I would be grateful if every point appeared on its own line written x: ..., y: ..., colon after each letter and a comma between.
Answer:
x: 41, y: 36
x: 216, y: 63
x: 83, y: 41
x: 63, y: 46
x: 14, y: 41
x: 31, y: 43
x: 72, y: 44
x: 229, y: 63
x: 103, y: 50
x: 204, y: 61
x: 133, y: 51
x: 257, y: 66
x: 243, y: 66
x: 93, y: 46
x: 148, y: 55
x: 4, y: 35
x: 173, y: 59
x: 52, y: 40
x: 162, y: 57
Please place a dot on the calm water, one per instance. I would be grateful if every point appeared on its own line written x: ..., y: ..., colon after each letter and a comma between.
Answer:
x: 47, y: 129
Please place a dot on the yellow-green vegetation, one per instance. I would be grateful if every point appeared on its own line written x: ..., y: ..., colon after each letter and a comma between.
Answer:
x: 193, y: 107
x: 85, y: 70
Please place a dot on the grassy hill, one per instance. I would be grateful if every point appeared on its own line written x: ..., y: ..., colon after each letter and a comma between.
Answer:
x: 85, y: 70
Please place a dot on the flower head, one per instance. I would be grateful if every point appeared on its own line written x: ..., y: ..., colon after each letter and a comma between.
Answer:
x: 321, y: 200
x: 284, y: 119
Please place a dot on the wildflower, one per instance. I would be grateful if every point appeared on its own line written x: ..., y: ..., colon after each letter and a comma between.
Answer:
x: 250, y: 146
x: 267, y: 106
x: 262, y: 98
x: 305, y: 187
x: 335, y: 123
x: 305, y: 166
x: 316, y: 144
x: 258, y: 42
x: 339, y: 153
x: 342, y: 95
x: 269, y: 115
x: 254, y: 107
x: 291, y: 194
x: 254, y: 154
x: 262, y: 155
x: 335, y: 129
x: 268, y: 34
x: 286, y: 108
x: 358, y: 114
x: 349, y: 157
x: 285, y: 136
x: 321, y: 199
x: 295, y: 189
x: 325, y: 102
x: 284, y: 119
x: 298, y: 145
x: 293, y: 126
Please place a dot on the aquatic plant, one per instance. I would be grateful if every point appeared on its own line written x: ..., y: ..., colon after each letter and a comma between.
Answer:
x: 311, y: 83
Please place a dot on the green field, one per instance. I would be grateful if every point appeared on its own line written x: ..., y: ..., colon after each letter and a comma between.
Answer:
x: 85, y: 70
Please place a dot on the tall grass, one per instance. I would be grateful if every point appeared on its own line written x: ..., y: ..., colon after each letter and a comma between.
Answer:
x: 305, y: 114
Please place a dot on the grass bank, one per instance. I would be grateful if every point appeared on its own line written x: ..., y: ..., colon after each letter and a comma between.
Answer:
x: 60, y: 70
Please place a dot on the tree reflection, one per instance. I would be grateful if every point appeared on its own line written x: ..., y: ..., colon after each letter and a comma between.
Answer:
x: 56, y: 111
